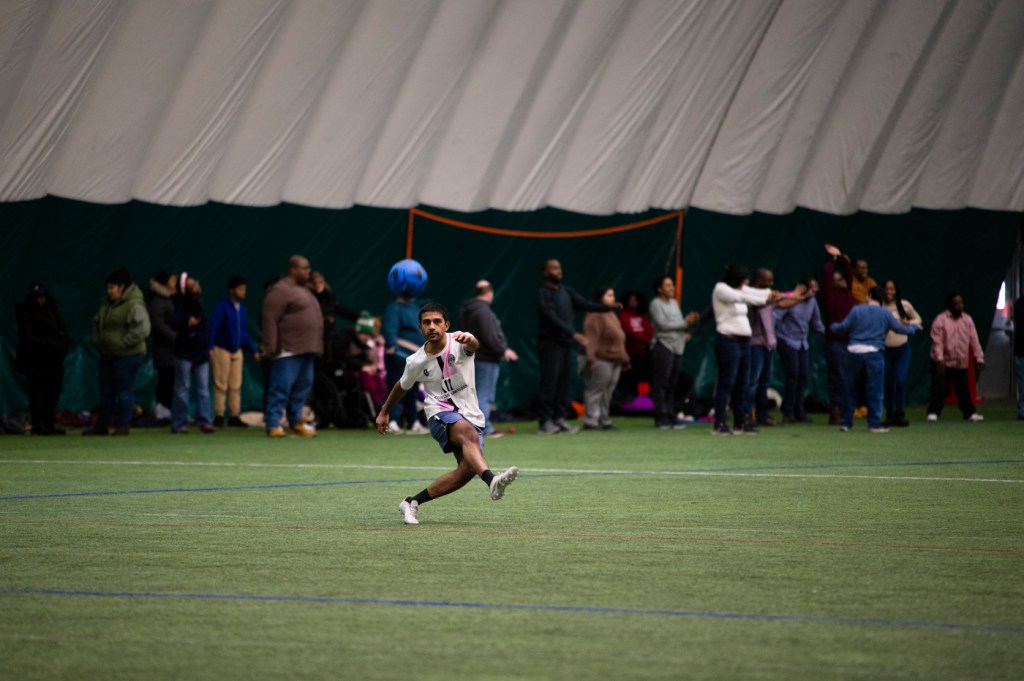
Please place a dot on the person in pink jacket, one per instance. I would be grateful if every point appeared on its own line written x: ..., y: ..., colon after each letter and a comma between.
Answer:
x: 954, y: 343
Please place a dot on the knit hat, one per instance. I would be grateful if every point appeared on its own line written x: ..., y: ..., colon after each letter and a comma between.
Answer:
x: 365, y: 323
x: 37, y: 289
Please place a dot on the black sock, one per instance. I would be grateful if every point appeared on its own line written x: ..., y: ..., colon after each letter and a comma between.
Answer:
x: 487, y: 476
x: 421, y: 498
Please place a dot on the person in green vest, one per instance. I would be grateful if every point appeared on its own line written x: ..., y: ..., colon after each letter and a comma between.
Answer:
x: 119, y: 332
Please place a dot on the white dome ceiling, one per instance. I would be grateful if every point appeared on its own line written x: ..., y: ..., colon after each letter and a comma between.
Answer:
x: 593, y: 106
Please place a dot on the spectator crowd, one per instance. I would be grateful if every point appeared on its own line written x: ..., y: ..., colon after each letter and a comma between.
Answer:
x: 628, y: 352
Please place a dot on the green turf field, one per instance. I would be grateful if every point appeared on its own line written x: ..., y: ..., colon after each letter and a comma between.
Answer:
x: 801, y: 553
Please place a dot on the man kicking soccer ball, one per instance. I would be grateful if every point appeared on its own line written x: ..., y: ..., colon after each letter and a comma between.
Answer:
x: 444, y: 364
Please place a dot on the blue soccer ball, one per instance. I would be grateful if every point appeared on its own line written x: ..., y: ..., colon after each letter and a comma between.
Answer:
x: 407, y: 279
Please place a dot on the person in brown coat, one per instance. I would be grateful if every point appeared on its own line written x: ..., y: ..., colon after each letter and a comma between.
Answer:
x: 292, y: 340
x: 603, y: 361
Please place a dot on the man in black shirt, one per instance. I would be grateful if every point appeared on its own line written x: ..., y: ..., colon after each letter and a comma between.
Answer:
x: 555, y: 333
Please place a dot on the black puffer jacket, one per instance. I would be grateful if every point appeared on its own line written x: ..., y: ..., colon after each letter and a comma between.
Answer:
x: 161, y: 318
x: 193, y: 342
x: 43, y: 340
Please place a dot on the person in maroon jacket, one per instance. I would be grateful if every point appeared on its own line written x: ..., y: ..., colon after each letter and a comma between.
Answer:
x: 639, y: 334
x: 836, y: 303
x: 293, y: 329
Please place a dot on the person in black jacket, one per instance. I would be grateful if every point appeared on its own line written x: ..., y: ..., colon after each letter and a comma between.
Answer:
x: 161, y: 317
x: 477, y: 317
x: 43, y: 342
x: 191, y: 356
x: 330, y: 309
x: 555, y: 334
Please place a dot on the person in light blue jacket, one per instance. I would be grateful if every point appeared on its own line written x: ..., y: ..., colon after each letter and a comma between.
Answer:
x: 868, y: 325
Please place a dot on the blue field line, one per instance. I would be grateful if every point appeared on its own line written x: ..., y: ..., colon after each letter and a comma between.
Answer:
x: 210, y: 489
x: 636, y: 612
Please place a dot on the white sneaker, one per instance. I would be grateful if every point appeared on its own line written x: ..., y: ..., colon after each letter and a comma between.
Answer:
x: 974, y: 418
x: 394, y: 428
x: 409, y: 509
x: 500, y: 482
x: 932, y: 418
x: 417, y: 428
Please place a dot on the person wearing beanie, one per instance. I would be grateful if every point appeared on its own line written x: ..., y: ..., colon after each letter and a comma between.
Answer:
x: 119, y: 332
x: 161, y: 317
x: 365, y: 323
x: 191, y: 356
x: 43, y: 342
x: 229, y: 335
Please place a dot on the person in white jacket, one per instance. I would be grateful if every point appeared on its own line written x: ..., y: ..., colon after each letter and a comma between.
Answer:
x: 729, y: 301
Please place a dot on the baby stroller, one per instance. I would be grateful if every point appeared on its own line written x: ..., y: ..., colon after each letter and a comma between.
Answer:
x: 338, y: 397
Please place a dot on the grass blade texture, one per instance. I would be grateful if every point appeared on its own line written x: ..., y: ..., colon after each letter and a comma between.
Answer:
x: 799, y: 553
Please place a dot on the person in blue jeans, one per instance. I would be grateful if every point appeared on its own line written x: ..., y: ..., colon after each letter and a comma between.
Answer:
x: 867, y: 325
x: 897, y: 356
x: 730, y: 299
x: 293, y: 337
x: 402, y: 338
x: 119, y: 332
x: 477, y: 317
x: 763, y: 343
x: 793, y: 328
x: 191, y: 357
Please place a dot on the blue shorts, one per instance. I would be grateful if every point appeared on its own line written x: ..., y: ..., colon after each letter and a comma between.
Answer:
x: 439, y: 423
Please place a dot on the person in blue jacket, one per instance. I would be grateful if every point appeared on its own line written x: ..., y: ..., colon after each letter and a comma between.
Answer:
x: 868, y: 325
x: 400, y: 327
x: 229, y: 335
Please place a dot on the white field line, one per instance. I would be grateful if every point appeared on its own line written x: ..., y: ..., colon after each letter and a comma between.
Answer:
x: 561, y: 471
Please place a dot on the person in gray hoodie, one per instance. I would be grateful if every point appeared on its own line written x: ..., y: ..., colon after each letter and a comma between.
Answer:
x: 477, y: 317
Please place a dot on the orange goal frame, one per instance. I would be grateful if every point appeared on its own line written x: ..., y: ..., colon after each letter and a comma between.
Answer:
x: 676, y: 215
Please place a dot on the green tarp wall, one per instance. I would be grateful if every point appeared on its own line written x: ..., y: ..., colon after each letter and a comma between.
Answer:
x: 72, y: 246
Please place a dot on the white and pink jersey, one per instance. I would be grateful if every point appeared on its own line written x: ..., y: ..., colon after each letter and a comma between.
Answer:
x: 449, y: 379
